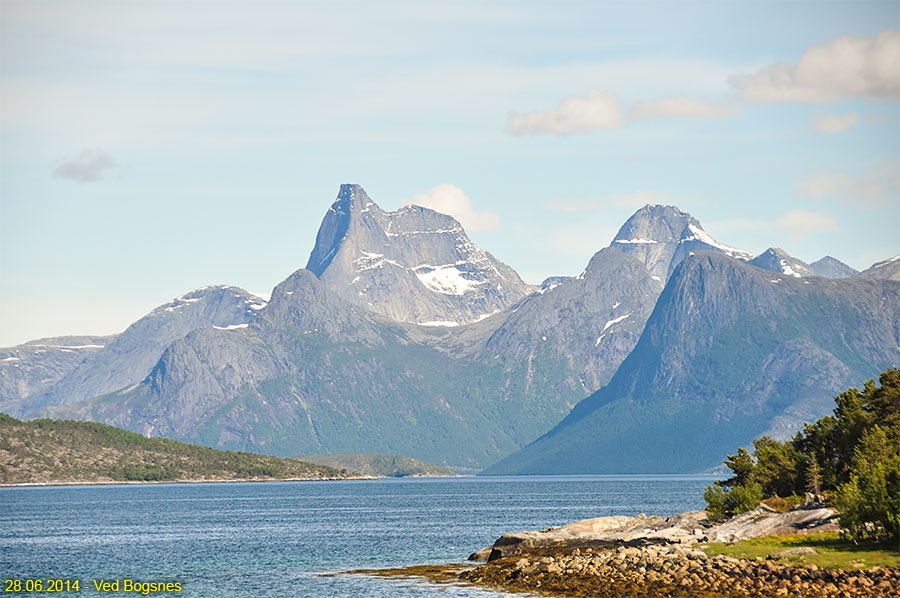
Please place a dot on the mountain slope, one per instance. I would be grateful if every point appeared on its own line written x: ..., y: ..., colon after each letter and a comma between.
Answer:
x: 128, y: 357
x: 314, y: 374
x: 585, y: 325
x: 778, y: 260
x: 888, y: 269
x: 412, y: 265
x: 661, y: 236
x: 830, y: 267
x: 34, y: 367
x: 730, y: 352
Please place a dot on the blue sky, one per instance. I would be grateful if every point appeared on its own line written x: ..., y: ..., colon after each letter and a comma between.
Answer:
x: 152, y: 148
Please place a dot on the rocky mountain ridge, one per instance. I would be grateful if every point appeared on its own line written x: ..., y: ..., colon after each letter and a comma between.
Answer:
x: 413, y: 265
x: 402, y: 336
x: 730, y: 352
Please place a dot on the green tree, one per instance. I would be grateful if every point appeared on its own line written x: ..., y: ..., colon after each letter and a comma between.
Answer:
x: 869, y: 502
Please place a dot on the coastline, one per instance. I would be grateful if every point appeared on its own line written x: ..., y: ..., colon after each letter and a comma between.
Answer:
x: 653, y: 557
x: 208, y: 481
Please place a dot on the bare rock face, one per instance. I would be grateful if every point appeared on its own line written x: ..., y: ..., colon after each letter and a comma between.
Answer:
x: 413, y: 265
x: 661, y: 236
x: 111, y: 363
x: 685, y: 528
x: 34, y: 367
x: 778, y: 260
x: 888, y: 269
x: 830, y: 267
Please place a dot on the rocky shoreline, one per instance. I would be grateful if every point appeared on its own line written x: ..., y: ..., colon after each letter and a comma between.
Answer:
x: 653, y: 557
x: 656, y: 557
x: 658, y: 571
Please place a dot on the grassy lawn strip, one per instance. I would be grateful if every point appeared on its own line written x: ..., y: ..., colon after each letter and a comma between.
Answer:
x: 832, y: 552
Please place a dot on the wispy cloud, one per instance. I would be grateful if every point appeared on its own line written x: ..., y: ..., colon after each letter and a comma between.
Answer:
x: 832, y: 124
x: 680, y: 106
x: 450, y: 199
x: 845, y: 67
x: 575, y: 114
x: 877, y: 185
x: 598, y: 110
x: 800, y: 224
x: 88, y: 166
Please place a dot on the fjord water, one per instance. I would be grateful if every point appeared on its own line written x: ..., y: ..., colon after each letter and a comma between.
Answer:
x: 277, y: 539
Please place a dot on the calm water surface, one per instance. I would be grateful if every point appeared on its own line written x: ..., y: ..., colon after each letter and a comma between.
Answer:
x: 276, y: 539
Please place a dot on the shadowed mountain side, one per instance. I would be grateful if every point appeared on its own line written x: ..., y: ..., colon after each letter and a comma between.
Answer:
x: 730, y: 352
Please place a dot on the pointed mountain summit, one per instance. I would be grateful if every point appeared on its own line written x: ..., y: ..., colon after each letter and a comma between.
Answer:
x: 830, y: 267
x: 776, y: 259
x: 660, y: 236
x: 412, y: 265
x: 730, y: 352
x: 889, y: 269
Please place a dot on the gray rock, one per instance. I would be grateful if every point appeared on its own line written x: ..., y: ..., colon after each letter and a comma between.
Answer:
x: 776, y: 259
x: 730, y: 352
x: 34, y: 367
x: 413, y: 265
x: 888, y: 269
x: 661, y: 236
x: 127, y: 358
x: 830, y: 267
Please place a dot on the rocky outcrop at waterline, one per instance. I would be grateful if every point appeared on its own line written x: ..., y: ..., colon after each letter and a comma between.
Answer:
x: 673, y: 571
x: 685, y: 528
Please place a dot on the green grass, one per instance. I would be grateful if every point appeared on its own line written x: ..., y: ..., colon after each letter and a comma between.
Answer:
x: 833, y: 552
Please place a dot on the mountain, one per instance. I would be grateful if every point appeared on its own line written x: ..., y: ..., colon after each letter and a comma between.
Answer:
x: 127, y: 358
x: 403, y: 337
x: 581, y: 326
x: 34, y: 367
x: 830, y: 267
x: 413, y: 265
x: 661, y: 236
x: 312, y: 373
x: 389, y: 466
x: 46, y: 451
x: 778, y: 260
x: 729, y: 353
x: 889, y: 269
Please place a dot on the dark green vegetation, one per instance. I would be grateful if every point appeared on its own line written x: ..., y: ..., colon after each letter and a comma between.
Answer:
x: 391, y: 466
x: 853, y: 457
x: 47, y: 450
x: 731, y: 352
x: 831, y: 551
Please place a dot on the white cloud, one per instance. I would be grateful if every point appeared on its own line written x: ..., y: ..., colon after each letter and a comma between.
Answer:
x: 875, y: 186
x: 575, y: 114
x: 801, y: 223
x: 681, y: 106
x: 450, y: 199
x: 624, y: 200
x: 834, y: 123
x: 842, y: 68
x: 87, y: 167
